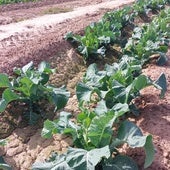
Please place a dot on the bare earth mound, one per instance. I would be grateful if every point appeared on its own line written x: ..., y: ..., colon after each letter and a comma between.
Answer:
x: 41, y: 38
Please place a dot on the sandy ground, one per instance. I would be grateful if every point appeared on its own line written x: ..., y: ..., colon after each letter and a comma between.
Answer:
x: 41, y: 38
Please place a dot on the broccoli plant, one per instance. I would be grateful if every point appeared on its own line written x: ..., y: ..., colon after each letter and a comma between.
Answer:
x: 95, y: 141
x: 117, y: 83
x: 30, y: 86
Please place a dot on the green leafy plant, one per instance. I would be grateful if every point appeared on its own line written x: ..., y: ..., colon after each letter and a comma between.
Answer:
x: 151, y: 39
x: 109, y: 30
x: 142, y: 7
x: 31, y: 87
x: 156, y: 4
x: 93, y: 134
x: 99, y: 35
x: 117, y: 83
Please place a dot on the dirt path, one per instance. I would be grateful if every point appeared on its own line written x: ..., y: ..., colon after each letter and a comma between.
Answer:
x: 42, y: 39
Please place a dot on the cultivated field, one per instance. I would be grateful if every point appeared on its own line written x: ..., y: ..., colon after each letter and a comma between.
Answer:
x: 117, y: 109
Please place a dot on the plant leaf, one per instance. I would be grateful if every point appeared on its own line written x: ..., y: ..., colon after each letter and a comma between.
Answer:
x: 140, y: 82
x: 7, y: 96
x: 100, y: 130
x: 149, y: 150
x: 4, y: 80
x: 120, y: 109
x: 56, y: 126
x: 27, y: 67
x: 74, y: 159
x: 161, y: 84
x: 131, y: 134
x: 120, y: 162
x: 58, y: 96
x: 83, y: 92
x: 86, y: 160
x: 101, y: 108
x: 44, y: 67
x: 162, y: 60
x: 58, y: 163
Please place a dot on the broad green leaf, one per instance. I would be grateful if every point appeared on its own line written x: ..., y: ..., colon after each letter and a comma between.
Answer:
x: 56, y: 126
x: 3, y: 105
x: 91, y: 71
x: 58, y: 96
x: 44, y: 67
x: 162, y: 60
x: 140, y: 82
x: 100, y: 130
x: 4, y: 81
x: 120, y: 162
x: 59, y: 163
x: 7, y: 96
x: 134, y: 109
x: 150, y: 151
x: 44, y: 78
x: 161, y: 84
x: 118, y: 90
x: 74, y: 159
x: 83, y: 115
x: 50, y: 128
x: 83, y: 92
x: 69, y: 35
x: 86, y: 160
x: 120, y: 109
x: 111, y: 69
x: 27, y: 67
x: 101, y: 108
x: 131, y: 134
x: 25, y: 86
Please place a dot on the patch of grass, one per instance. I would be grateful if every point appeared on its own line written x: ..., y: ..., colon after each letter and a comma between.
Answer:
x: 56, y: 10
x: 14, y: 1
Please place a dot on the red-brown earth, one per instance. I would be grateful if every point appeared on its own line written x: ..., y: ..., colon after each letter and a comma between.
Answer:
x: 24, y: 40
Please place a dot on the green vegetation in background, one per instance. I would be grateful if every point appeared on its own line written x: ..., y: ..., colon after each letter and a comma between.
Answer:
x: 56, y: 10
x: 15, y: 1
x: 109, y: 30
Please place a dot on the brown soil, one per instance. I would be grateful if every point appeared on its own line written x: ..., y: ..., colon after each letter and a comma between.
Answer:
x: 18, y: 12
x: 25, y: 144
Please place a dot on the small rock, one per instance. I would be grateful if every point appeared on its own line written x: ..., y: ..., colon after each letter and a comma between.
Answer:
x: 15, y: 151
x: 166, y: 154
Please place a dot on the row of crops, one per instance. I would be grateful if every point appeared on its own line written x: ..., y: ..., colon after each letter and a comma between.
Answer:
x: 106, y: 97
